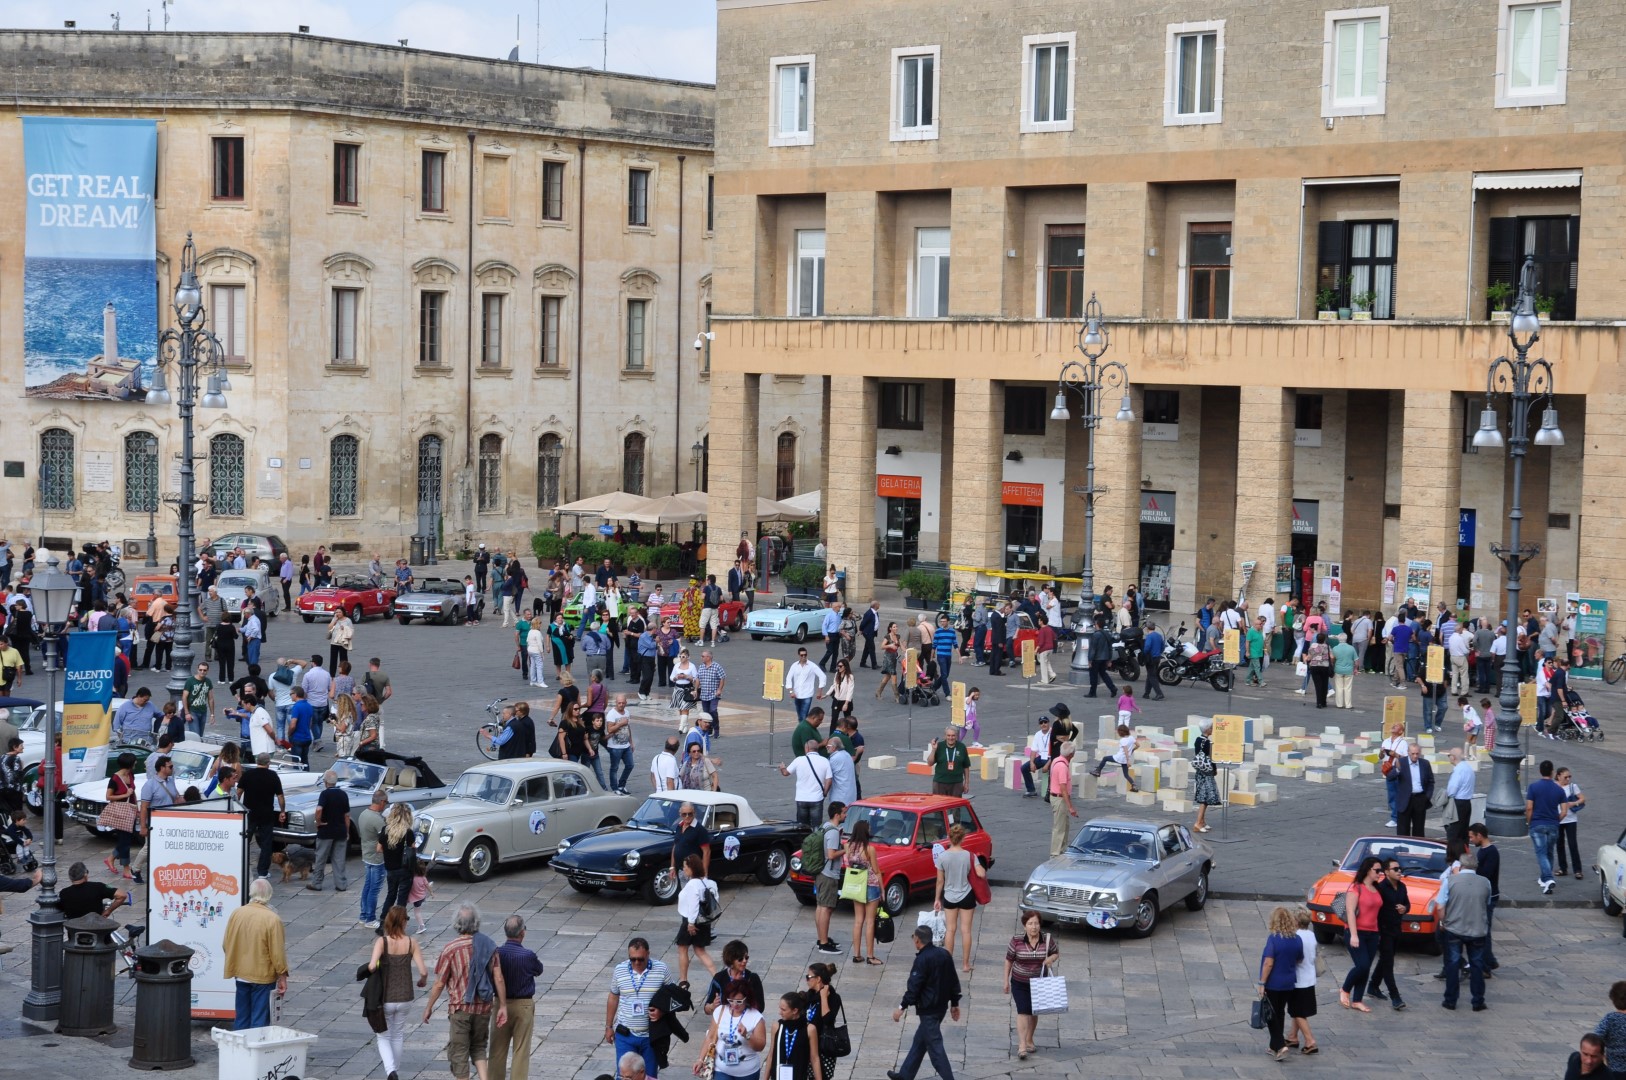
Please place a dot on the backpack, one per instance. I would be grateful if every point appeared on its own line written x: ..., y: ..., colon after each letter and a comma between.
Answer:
x: 710, y: 905
x: 813, y: 851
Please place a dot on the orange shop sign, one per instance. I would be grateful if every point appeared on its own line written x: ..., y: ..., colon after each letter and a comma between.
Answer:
x: 1013, y: 494
x: 897, y: 487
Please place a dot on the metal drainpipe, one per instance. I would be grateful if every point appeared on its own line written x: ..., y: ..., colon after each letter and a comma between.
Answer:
x: 581, y: 284
x: 468, y: 391
x: 677, y: 318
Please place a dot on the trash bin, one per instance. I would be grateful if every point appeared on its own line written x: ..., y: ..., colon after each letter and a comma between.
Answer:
x: 163, y: 1015
x: 265, y: 1051
x: 87, y: 978
x: 415, y: 553
x: 841, y: 584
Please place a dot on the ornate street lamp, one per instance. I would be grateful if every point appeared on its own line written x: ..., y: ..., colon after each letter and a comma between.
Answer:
x: 1523, y: 380
x: 189, y: 351
x: 1089, y: 381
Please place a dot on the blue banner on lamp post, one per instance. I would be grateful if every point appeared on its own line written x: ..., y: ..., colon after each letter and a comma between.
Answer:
x: 87, y: 693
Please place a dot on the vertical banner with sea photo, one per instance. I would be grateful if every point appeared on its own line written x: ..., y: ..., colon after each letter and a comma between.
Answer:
x: 90, y: 297
x: 87, y: 692
x: 1591, y: 642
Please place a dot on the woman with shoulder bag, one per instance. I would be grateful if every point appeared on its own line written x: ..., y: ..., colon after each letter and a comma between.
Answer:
x: 121, y: 815
x: 1205, y: 792
x: 1029, y: 956
x: 823, y: 1007
x: 397, y: 952
x: 860, y: 855
x: 737, y: 1037
x: 694, y: 931
x: 1278, y: 971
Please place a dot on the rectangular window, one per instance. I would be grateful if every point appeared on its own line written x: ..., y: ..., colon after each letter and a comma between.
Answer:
x: 1555, y: 242
x: 637, y: 320
x: 792, y: 101
x: 491, y: 330
x: 1355, y: 62
x: 809, y: 300
x: 228, y: 169
x: 346, y: 306
x: 1307, y: 412
x: 705, y: 351
x: 1047, y: 82
x: 1208, y: 261
x: 431, y: 309
x: 346, y: 174
x: 903, y: 405
x: 494, y: 187
x: 1026, y: 409
x: 1356, y: 257
x: 638, y: 197
x: 228, y: 314
x: 931, y: 273
x: 553, y: 191
x: 552, y: 319
x: 711, y: 202
x: 1064, y: 272
x: 1193, y: 82
x: 914, y: 93
x: 433, y: 200
x: 1536, y: 52
x: 1160, y: 406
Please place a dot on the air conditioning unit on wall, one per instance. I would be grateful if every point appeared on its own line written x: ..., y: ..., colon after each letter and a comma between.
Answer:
x: 134, y: 549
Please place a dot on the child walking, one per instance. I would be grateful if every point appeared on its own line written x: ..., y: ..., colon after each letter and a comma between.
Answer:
x: 973, y: 728
x: 1126, y: 706
x: 1127, y: 741
x: 421, y: 891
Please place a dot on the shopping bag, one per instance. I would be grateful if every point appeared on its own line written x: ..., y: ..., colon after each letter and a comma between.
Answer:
x: 886, y: 928
x: 1263, y: 1012
x: 935, y: 920
x: 1049, y: 994
x: 855, y: 885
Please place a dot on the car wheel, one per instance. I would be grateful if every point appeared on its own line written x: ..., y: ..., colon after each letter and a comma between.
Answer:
x: 308, y: 618
x: 454, y: 618
x: 1199, y: 896
x: 356, y: 614
x: 805, y: 897
x: 1325, y: 935
x: 402, y: 619
x: 1145, y: 916
x: 1431, y: 944
x: 1611, y: 906
x: 35, y: 798
x: 895, y: 896
x: 661, y: 887
x: 478, y: 861
x: 590, y: 890
x: 773, y: 868
x: 801, y: 634
x: 756, y: 637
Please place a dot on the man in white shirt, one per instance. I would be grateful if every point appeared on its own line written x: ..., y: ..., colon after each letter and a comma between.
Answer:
x: 1457, y: 647
x: 663, y: 769
x: 1052, y: 607
x: 1396, y: 746
x: 813, y: 780
x: 262, y: 732
x: 1461, y: 790
x: 805, y: 680
x: 1038, y: 758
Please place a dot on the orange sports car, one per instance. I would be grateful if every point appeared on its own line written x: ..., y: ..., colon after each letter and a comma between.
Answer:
x: 1421, y: 864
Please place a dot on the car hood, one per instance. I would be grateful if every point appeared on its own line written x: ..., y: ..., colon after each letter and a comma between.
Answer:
x: 614, y: 841
x: 426, y: 598
x: 1082, y: 871
x: 459, y: 808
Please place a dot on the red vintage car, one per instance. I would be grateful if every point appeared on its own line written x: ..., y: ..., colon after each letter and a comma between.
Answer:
x: 353, y: 595
x: 907, y: 829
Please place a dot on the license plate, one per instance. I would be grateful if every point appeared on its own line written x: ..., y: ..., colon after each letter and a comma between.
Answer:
x: 321, y: 607
x: 1102, y: 920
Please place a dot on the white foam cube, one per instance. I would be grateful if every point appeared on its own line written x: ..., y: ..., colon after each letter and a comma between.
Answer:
x: 1107, y: 727
x: 1318, y: 776
x: 1348, y: 772
x: 1291, y: 769
x: 1367, y: 768
x: 1145, y: 775
x: 1179, y: 806
x: 1086, y: 786
x: 1005, y: 748
x: 1140, y: 798
x: 1265, y: 793
x: 1265, y: 726
x: 1266, y: 757
x: 880, y: 761
x: 1184, y: 735
x: 1177, y: 773
x: 1245, y: 776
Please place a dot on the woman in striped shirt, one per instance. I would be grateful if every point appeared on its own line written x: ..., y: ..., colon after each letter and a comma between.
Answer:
x: 1026, y: 958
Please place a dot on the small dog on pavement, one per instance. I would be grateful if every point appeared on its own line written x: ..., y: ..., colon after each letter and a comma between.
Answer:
x: 295, y: 859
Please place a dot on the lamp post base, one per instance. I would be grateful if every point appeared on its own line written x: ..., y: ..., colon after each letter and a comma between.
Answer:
x: 1506, y: 824
x: 44, y: 1001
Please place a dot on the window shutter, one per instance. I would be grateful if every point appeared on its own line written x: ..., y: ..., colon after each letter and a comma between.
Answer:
x: 1394, y: 271
x: 1330, y: 257
x: 1504, y: 251
x: 1572, y: 239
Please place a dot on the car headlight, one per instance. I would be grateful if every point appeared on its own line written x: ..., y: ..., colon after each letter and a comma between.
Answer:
x: 1033, y: 891
x: 564, y: 845
x: 446, y: 835
x: 1309, y: 895
x: 296, y: 820
x: 632, y: 859
x: 796, y: 864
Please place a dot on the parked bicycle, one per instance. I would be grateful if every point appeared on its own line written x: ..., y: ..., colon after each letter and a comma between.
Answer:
x: 1615, y: 669
x: 490, y: 730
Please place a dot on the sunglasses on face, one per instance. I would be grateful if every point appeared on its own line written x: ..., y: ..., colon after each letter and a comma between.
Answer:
x: 736, y: 1003
x: 685, y: 815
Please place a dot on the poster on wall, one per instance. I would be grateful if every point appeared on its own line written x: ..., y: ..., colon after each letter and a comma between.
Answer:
x: 1591, y: 641
x: 1284, y: 573
x: 1419, y: 581
x: 1390, y: 578
x: 90, y: 301
x: 198, y: 858
x: 1546, y: 606
x: 87, y: 694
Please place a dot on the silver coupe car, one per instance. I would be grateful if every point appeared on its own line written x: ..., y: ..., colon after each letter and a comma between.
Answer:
x: 1121, y: 874
x: 438, y: 600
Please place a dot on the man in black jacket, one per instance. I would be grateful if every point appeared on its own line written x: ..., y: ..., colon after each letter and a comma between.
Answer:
x: 521, y: 743
x: 1100, y: 656
x: 996, y: 639
x: 934, y: 988
x: 868, y: 627
x: 1416, y: 785
x: 1392, y: 887
x: 1490, y: 868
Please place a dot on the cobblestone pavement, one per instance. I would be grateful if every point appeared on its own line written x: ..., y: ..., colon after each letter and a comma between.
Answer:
x: 1171, y: 1006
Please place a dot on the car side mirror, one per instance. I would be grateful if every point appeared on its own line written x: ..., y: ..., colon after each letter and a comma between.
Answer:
x: 1335, y: 864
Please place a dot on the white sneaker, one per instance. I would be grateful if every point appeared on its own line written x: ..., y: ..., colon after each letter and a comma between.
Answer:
x: 1390, y: 823
x: 371, y: 925
x: 1299, y: 692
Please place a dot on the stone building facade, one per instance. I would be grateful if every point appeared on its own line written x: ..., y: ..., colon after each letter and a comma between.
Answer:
x: 968, y: 177
x: 451, y: 289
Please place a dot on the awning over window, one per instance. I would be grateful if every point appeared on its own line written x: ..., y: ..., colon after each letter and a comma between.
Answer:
x: 1522, y: 181
x: 1327, y: 181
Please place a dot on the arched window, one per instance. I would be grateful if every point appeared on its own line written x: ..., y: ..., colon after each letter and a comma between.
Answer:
x: 632, y: 464
x: 490, y: 474
x: 140, y: 472
x: 56, y: 469
x: 226, y: 475
x: 343, y: 476
x: 550, y: 451
x: 429, y: 474
x: 784, y: 484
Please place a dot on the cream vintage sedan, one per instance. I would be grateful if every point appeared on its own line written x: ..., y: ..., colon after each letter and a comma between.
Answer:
x: 1611, y: 869
x: 512, y: 810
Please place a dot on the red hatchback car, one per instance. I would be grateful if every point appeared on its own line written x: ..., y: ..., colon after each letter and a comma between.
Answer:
x: 907, y: 829
x: 352, y: 595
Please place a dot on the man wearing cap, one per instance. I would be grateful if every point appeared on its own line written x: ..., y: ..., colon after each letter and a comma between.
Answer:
x: 1061, y: 802
x: 482, y: 568
x: 1038, y: 757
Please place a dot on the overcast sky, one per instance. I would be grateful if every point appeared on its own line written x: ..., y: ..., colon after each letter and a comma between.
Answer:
x: 667, y: 38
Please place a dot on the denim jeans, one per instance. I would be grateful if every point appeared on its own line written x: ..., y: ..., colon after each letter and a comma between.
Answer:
x: 620, y: 758
x: 594, y: 762
x: 803, y: 706
x: 637, y: 1044
x: 1543, y: 837
x: 1394, y: 798
x: 253, y: 1005
x: 928, y: 1041
x: 282, y: 720
x: 1455, y: 947
x: 371, y: 886
x: 1360, y: 972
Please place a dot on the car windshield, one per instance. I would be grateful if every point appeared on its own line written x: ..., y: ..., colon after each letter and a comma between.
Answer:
x: 237, y: 581
x: 484, y: 786
x: 1416, y: 860
x: 26, y: 717
x: 660, y: 813
x: 441, y: 588
x: 358, y: 775
x: 154, y: 588
x: 887, y: 826
x: 357, y: 584
x: 1113, y: 842
x: 190, y: 764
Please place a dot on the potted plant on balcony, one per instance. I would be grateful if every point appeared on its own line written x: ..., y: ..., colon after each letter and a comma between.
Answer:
x: 1363, y: 304
x: 1545, y: 306
x: 926, y: 590
x: 1499, y: 293
x: 1343, y: 310
x: 1326, y: 304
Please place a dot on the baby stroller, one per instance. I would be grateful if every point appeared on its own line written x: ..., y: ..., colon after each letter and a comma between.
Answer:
x: 922, y: 693
x: 1578, y: 724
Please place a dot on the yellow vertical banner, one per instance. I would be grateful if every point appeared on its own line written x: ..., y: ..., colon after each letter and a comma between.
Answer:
x: 773, y: 679
x: 957, y: 704
x: 1030, y: 661
x: 1394, y: 715
x: 1229, y: 739
x: 1527, y: 704
x: 911, y: 661
x: 1233, y: 646
x: 1436, y: 663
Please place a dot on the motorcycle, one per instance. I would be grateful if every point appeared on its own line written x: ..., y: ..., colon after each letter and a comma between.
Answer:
x: 1183, y: 661
x: 1125, y: 661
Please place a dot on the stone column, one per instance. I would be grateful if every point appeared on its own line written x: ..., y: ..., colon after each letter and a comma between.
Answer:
x: 734, y: 430
x: 1116, y: 238
x: 1265, y: 239
x: 849, y: 495
x: 1264, y: 486
x: 977, y: 473
x: 1215, y: 519
x: 1366, y: 469
x: 1603, y: 509
x: 1431, y: 487
x: 1117, y: 502
x: 852, y: 228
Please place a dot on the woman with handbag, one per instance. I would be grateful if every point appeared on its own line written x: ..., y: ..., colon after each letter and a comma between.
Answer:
x: 738, y: 1035
x: 397, y: 952
x: 1204, y: 791
x: 794, y: 1043
x: 861, y: 885
x: 823, y: 1006
x: 1278, y: 968
x: 890, y: 647
x: 842, y: 689
x: 1319, y: 659
x: 954, y: 896
x: 341, y: 634
x: 395, y: 843
x: 1361, y: 903
x: 1029, y: 956
x: 694, y: 929
x: 120, y: 815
